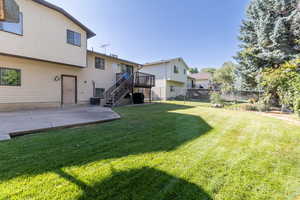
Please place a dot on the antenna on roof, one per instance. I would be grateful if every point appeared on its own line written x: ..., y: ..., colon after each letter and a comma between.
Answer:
x: 114, y: 55
x: 104, y: 46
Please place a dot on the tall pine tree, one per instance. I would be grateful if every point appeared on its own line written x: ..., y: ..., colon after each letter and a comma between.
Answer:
x: 270, y: 35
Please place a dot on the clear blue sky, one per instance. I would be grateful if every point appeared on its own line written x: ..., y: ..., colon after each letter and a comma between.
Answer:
x: 203, y: 32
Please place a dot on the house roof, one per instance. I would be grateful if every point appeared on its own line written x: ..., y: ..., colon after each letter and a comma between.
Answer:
x: 90, y: 33
x: 202, y: 76
x: 112, y: 57
x: 157, y: 62
x: 165, y: 61
x: 190, y: 77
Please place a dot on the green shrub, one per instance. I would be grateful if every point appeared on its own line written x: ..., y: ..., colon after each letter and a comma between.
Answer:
x: 297, y: 106
x: 252, y: 100
x: 248, y: 107
x: 259, y: 106
x: 216, y: 99
x: 262, y: 107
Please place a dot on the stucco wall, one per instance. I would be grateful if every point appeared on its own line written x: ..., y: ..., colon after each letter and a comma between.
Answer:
x: 160, y: 71
x: 38, y: 85
x: 103, y: 78
x: 190, y: 83
x: 37, y: 82
x: 180, y: 76
x: 179, y: 89
x: 165, y: 77
x: 159, y: 91
x: 44, y: 36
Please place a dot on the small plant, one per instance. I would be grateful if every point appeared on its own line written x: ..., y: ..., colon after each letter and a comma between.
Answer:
x: 252, y: 100
x: 216, y: 100
x: 262, y: 106
x: 248, y: 107
x: 297, y: 107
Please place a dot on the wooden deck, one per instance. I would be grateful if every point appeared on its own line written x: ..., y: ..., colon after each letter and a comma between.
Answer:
x: 141, y: 80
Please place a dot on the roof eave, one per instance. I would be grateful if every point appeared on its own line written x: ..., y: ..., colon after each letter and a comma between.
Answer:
x: 120, y: 59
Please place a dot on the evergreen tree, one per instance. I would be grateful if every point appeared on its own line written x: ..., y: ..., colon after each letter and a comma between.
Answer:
x: 270, y: 36
x: 194, y: 70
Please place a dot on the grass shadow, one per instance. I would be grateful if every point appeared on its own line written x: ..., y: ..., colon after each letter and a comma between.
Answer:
x: 143, y: 129
x: 139, y: 184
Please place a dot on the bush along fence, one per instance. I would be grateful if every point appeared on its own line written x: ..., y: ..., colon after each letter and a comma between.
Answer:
x: 235, y: 100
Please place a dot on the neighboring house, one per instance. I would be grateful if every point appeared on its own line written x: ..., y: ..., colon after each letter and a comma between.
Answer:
x: 170, y: 77
x: 204, y: 80
x: 44, y: 61
x: 191, y: 82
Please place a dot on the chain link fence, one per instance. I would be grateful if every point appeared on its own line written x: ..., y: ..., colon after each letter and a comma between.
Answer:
x: 181, y: 93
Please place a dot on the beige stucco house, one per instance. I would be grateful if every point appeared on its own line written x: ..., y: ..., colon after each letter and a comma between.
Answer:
x: 171, y: 77
x: 44, y: 61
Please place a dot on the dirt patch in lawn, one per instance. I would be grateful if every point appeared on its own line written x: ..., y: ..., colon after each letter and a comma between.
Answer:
x: 282, y: 116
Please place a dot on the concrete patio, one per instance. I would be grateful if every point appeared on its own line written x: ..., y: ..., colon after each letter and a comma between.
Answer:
x: 25, y: 122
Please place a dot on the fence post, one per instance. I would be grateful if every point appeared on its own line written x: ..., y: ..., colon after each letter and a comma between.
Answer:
x: 184, y: 96
x: 160, y: 94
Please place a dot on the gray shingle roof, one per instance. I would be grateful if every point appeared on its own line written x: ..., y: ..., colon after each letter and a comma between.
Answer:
x: 202, y: 76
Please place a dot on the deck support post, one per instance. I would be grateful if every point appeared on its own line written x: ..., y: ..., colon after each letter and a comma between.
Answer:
x: 150, y: 95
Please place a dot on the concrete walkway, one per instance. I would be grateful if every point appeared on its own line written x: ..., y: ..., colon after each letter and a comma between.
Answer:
x: 23, y: 122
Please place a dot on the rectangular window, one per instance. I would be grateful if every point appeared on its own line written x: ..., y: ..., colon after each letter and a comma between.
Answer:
x: 125, y: 68
x: 176, y: 71
x: 99, y: 92
x: 11, y: 27
x: 172, y: 89
x: 73, y: 38
x: 99, y: 63
x: 10, y: 77
x: 184, y: 71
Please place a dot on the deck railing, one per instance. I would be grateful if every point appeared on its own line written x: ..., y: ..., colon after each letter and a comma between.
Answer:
x: 141, y: 80
x: 144, y: 80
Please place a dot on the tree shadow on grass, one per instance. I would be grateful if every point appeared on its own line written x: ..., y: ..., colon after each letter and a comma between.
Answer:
x: 145, y: 129
x: 139, y: 184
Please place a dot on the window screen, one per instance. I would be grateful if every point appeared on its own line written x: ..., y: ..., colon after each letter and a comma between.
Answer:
x: 10, y: 77
x: 10, y: 27
x: 73, y: 38
x: 99, y: 63
x: 176, y: 71
x: 99, y: 92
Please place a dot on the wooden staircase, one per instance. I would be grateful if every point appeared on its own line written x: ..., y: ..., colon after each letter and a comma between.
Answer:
x: 115, y: 94
x: 125, y: 85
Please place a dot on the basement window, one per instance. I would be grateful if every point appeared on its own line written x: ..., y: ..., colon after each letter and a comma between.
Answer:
x: 10, y: 27
x: 99, y: 92
x: 10, y: 77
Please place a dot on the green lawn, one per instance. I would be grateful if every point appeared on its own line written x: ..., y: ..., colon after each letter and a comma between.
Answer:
x: 158, y: 152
